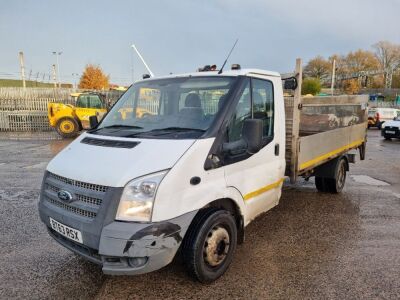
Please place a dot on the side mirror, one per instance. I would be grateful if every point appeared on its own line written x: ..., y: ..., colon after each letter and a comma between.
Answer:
x: 252, y: 134
x: 251, y: 140
x: 93, y: 122
x: 290, y: 83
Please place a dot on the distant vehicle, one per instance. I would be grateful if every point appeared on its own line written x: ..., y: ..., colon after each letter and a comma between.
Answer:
x: 378, y: 116
x: 68, y: 119
x: 391, y: 129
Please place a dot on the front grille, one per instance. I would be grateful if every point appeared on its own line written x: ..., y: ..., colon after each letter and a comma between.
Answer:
x: 85, y: 185
x: 79, y: 197
x: 86, y: 197
x: 72, y: 209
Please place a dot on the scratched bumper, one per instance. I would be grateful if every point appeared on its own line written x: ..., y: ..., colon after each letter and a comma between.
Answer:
x: 156, y: 242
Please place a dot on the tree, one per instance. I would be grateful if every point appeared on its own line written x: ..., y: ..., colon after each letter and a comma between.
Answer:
x: 361, y: 60
x: 388, y: 55
x: 94, y: 78
x: 351, y: 86
x: 311, y: 86
x: 318, y: 67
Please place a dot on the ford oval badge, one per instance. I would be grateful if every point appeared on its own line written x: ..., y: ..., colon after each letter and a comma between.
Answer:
x: 64, y: 196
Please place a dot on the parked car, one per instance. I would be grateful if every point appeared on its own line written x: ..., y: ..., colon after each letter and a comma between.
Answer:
x: 378, y: 116
x: 391, y: 129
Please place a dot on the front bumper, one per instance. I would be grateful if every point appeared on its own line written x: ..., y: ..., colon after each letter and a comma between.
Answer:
x: 390, y: 131
x: 154, y: 244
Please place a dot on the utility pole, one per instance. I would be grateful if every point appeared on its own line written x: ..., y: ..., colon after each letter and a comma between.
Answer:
x: 57, y: 54
x: 37, y: 77
x: 75, y: 77
x: 54, y: 75
x: 333, y: 76
x: 21, y: 62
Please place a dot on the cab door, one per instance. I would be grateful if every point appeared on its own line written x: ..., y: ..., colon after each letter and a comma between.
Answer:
x: 89, y: 105
x: 257, y: 177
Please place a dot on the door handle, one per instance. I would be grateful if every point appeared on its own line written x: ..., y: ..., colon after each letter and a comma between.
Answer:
x: 276, y: 149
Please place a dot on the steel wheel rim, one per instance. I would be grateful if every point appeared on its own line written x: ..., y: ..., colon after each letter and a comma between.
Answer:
x: 67, y: 126
x: 216, y: 246
x: 341, y: 175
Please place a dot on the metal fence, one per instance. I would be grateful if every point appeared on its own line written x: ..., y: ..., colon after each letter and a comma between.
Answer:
x: 26, y: 109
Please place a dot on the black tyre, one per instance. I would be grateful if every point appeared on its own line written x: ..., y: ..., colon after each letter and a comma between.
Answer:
x: 209, y: 244
x: 336, y: 185
x: 67, y: 127
x: 320, y: 184
x: 387, y: 138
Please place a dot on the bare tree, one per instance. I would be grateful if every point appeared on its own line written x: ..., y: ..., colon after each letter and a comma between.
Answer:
x: 388, y: 55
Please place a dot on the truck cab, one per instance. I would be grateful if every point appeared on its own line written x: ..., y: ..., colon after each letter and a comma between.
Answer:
x: 164, y: 173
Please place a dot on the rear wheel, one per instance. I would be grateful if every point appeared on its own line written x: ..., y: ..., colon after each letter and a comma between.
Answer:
x: 209, y: 244
x: 336, y: 185
x: 333, y: 185
x: 320, y: 184
x: 387, y: 138
x: 67, y: 127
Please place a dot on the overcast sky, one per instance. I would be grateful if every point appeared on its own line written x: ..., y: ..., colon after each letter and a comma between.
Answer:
x: 181, y: 35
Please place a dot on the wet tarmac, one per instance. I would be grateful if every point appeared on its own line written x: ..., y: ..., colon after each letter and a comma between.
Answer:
x: 312, y: 245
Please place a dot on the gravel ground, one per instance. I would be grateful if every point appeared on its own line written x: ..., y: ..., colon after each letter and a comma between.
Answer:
x: 311, y: 245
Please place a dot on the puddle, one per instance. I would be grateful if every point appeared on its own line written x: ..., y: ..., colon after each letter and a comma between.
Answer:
x: 368, y: 180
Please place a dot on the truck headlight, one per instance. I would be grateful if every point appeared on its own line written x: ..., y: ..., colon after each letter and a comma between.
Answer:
x: 136, y: 203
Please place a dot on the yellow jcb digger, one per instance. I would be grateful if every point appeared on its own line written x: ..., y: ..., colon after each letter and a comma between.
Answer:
x: 68, y: 119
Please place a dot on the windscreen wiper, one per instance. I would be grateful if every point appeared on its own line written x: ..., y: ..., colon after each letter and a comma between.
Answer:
x: 122, y: 126
x: 166, y: 131
x: 176, y: 129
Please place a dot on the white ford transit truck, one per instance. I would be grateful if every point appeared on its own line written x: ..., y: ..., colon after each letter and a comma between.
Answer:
x: 208, y: 153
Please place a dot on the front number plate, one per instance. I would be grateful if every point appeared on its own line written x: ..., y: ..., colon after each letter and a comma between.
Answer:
x: 390, y: 132
x: 66, y: 231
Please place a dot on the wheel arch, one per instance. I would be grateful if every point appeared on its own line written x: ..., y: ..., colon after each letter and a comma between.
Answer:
x: 230, y: 205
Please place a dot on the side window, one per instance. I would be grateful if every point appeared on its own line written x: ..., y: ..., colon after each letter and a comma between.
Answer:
x: 95, y: 101
x: 243, y: 112
x: 83, y: 101
x: 263, y: 105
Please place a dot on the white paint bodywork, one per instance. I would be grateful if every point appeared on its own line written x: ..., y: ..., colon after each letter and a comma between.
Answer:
x: 263, y: 168
x: 175, y: 196
x: 115, y: 167
x: 392, y: 123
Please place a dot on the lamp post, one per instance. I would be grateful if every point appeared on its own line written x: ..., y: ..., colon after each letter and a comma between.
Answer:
x: 57, y: 54
x: 75, y: 77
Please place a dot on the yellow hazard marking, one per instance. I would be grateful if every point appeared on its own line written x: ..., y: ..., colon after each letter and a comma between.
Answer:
x: 329, y: 154
x: 263, y: 189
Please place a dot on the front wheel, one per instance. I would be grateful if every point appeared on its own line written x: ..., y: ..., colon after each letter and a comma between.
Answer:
x: 209, y: 244
x: 67, y: 127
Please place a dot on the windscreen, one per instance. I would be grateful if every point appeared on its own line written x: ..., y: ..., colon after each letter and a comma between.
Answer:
x: 158, y: 107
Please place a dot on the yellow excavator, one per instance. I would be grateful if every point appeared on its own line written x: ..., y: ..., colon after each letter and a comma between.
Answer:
x: 69, y: 119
